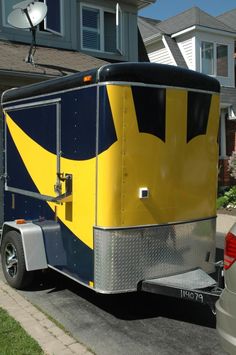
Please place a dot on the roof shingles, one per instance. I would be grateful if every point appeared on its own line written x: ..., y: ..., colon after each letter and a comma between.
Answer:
x: 61, y: 61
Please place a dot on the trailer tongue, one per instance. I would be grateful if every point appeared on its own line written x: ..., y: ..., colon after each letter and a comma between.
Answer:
x: 194, y: 285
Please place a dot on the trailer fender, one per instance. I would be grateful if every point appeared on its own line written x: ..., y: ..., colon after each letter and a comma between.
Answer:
x: 32, y: 241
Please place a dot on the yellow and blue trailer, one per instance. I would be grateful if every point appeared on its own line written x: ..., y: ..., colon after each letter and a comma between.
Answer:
x: 111, y: 179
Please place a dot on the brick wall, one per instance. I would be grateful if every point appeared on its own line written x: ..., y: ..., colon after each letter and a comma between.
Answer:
x: 224, y: 176
x: 230, y: 136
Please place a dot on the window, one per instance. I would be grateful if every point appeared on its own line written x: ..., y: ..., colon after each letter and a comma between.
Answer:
x: 214, y: 59
x: 101, y: 29
x: 207, y: 58
x: 53, y: 20
x: 109, y: 32
x: 91, y: 28
x: 222, y: 60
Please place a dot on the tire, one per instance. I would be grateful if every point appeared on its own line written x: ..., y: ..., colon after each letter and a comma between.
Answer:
x: 13, y: 261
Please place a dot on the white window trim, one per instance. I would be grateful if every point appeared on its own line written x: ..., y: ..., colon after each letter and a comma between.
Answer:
x: 215, y: 58
x: 116, y: 12
x: 61, y: 33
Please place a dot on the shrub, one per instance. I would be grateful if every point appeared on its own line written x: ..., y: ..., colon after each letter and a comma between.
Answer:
x: 232, y: 165
x: 228, y: 199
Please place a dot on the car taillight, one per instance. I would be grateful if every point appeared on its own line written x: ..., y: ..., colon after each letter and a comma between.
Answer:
x: 230, y: 250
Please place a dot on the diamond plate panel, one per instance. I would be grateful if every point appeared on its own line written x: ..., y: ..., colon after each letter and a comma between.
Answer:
x: 124, y: 257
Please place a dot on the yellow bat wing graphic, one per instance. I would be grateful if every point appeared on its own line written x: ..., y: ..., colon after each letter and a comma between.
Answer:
x: 78, y: 216
x: 180, y: 176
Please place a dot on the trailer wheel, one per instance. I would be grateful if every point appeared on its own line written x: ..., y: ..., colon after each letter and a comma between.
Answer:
x: 13, y: 261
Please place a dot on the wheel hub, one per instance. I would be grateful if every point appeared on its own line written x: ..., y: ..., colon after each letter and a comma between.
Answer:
x: 11, y: 261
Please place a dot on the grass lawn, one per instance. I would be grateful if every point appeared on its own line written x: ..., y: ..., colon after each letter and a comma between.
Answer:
x: 13, y: 338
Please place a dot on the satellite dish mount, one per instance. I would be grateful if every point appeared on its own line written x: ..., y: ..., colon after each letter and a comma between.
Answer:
x: 33, y: 29
x: 27, y: 15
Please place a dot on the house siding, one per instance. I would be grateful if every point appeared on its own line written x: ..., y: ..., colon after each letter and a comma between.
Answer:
x: 187, y: 49
x: 159, y: 54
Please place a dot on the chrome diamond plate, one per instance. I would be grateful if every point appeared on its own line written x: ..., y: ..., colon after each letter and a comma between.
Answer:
x: 124, y: 257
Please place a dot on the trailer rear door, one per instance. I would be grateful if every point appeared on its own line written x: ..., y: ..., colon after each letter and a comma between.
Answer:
x: 33, y: 140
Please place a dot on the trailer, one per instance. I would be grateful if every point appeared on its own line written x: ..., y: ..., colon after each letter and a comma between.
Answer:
x: 111, y: 179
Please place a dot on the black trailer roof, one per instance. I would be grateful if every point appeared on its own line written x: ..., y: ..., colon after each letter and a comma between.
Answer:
x: 146, y: 73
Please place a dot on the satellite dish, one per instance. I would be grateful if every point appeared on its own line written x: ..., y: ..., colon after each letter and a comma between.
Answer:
x: 22, y: 5
x: 27, y: 15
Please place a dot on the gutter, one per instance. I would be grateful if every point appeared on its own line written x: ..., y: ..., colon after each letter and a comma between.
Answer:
x: 204, y: 29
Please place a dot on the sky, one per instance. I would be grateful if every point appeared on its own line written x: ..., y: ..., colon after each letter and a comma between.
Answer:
x: 164, y: 9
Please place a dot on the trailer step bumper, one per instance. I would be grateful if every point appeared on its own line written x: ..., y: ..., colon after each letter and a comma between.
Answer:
x: 195, y: 285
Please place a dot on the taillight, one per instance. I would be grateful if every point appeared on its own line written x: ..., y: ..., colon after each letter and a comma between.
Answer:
x: 230, y: 250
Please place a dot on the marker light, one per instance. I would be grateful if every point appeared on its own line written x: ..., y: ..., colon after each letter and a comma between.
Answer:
x: 20, y: 221
x: 87, y: 78
x: 230, y: 250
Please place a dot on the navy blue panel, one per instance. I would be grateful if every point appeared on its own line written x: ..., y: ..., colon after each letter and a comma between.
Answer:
x: 39, y: 123
x: 80, y: 257
x: 25, y: 207
x: 53, y: 15
x: 78, y: 124
x: 150, y: 106
x: 17, y: 175
x: 107, y: 133
x: 198, y: 113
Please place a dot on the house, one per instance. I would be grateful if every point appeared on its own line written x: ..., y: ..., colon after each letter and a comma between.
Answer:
x: 76, y: 35
x: 201, y: 42
x: 101, y: 28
